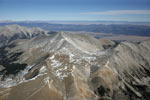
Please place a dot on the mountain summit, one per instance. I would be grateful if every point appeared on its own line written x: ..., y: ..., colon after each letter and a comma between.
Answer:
x: 63, y: 41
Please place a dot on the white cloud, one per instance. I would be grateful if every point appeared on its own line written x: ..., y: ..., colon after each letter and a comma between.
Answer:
x: 119, y: 12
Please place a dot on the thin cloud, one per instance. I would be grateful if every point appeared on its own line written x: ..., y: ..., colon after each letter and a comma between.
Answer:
x: 120, y: 12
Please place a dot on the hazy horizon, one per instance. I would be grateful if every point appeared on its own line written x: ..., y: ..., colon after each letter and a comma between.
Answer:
x: 73, y: 21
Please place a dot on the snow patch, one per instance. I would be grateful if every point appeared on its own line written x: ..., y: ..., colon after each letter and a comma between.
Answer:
x: 46, y: 80
x: 71, y: 59
x: 43, y: 69
x: 89, y: 59
x: 52, y: 57
x: 57, y: 68
x: 9, y: 82
x: 60, y: 74
x: 56, y: 63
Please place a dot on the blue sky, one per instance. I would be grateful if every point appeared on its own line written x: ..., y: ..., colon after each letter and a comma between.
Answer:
x: 108, y: 10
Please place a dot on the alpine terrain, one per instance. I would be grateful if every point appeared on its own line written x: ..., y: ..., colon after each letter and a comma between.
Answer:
x: 37, y: 64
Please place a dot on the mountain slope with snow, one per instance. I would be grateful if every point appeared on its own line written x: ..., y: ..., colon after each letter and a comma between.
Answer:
x: 66, y: 66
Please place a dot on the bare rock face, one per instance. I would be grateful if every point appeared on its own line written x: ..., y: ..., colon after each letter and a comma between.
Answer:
x: 67, y: 66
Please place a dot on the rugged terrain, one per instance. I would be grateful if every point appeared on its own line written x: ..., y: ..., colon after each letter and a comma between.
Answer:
x: 66, y: 66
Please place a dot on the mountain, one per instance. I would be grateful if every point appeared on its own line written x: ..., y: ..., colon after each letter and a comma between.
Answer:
x: 67, y: 66
x: 12, y: 32
x: 126, y: 73
x: 67, y: 41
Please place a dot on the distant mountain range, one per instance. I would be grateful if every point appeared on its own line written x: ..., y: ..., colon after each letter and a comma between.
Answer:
x: 121, y: 28
x: 81, y: 22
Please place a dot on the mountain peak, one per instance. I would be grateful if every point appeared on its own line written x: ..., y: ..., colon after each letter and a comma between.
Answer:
x: 65, y: 42
x: 12, y: 32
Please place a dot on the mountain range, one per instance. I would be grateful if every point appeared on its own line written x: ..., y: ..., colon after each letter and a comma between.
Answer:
x: 36, y: 64
x: 118, y: 28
